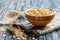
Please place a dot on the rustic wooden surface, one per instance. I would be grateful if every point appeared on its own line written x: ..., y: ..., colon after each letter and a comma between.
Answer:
x: 22, y: 5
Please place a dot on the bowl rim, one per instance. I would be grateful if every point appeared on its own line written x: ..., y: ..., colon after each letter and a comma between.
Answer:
x: 54, y: 12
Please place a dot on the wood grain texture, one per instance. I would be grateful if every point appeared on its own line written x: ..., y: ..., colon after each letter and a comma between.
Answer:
x: 22, y: 5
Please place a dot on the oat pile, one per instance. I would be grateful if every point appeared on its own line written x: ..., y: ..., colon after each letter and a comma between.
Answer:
x: 17, y: 31
x: 39, y: 11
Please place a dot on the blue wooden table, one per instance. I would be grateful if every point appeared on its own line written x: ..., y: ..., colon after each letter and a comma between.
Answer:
x: 22, y: 5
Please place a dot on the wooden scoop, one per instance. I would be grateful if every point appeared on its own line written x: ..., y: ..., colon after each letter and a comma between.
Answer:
x: 10, y: 16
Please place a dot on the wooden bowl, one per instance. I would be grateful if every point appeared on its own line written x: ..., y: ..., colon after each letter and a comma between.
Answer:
x: 39, y: 20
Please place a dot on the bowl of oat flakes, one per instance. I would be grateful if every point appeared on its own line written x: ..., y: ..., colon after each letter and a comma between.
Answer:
x: 39, y: 16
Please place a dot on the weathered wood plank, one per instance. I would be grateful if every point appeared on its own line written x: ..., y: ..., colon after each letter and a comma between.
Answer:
x: 59, y: 34
x: 49, y: 36
x: 41, y: 38
x: 55, y: 35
